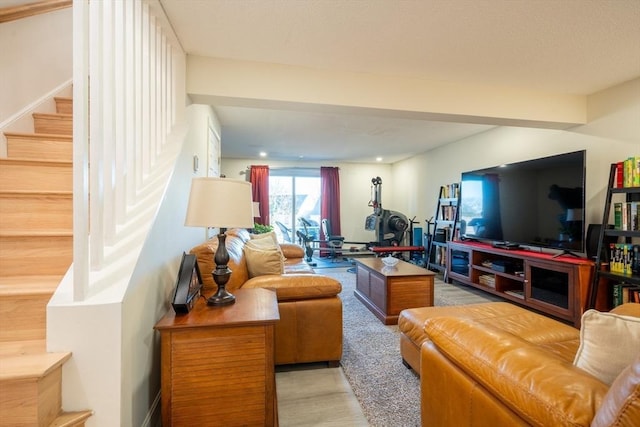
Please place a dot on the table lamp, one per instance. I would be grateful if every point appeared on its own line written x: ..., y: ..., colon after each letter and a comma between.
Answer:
x: 223, y: 203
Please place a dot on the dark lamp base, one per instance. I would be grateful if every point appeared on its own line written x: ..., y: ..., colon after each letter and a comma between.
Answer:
x: 222, y: 297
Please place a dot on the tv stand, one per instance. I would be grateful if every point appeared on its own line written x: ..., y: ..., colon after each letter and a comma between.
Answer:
x: 566, y: 252
x: 540, y: 281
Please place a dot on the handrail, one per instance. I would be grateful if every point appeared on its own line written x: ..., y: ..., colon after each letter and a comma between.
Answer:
x: 13, y: 13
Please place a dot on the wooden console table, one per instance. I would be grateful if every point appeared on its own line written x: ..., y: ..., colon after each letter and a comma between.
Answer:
x: 218, y: 363
x: 387, y: 291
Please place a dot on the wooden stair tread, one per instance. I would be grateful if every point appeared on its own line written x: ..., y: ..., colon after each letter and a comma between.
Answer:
x: 35, y: 193
x: 29, y: 285
x: 37, y: 233
x: 35, y: 162
x: 19, y: 348
x: 36, y: 175
x: 33, y: 135
x: 30, y: 366
x: 70, y: 419
x: 54, y: 115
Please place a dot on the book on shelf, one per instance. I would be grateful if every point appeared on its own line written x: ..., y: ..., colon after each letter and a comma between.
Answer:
x: 625, y: 216
x: 624, y: 258
x: 622, y: 293
x: 628, y: 172
x: 449, y: 212
x: 440, y: 256
x: 518, y: 293
x: 450, y: 191
x: 487, y: 280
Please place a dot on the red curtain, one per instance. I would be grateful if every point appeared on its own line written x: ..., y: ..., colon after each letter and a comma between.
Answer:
x: 330, y: 198
x: 259, y: 178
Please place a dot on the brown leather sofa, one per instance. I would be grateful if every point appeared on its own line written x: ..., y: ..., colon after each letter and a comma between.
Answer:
x: 310, y: 325
x: 496, y: 364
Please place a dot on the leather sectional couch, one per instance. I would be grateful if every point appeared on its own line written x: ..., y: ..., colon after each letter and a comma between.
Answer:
x: 496, y: 364
x: 310, y: 325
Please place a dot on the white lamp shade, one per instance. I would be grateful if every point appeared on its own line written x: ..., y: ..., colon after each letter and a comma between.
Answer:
x: 220, y: 202
x: 256, y: 209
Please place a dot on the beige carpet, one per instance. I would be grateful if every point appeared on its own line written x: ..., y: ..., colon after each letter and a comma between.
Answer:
x: 387, y: 392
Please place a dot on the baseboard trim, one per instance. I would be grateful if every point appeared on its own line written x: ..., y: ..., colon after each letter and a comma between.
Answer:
x: 154, y: 417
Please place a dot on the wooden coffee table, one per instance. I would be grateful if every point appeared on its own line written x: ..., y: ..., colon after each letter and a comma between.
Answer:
x: 387, y: 291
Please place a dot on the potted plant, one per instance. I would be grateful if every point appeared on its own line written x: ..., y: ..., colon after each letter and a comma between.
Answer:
x: 260, y: 229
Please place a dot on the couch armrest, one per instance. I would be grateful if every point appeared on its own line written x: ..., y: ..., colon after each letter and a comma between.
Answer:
x: 291, y: 250
x: 542, y: 388
x: 291, y: 287
x: 627, y: 309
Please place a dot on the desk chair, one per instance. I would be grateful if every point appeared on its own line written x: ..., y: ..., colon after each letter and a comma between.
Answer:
x: 286, y: 232
x: 333, y: 242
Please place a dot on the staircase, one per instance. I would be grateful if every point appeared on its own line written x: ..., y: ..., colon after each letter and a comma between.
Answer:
x: 36, y: 218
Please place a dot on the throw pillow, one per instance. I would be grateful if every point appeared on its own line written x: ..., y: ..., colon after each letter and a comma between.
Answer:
x: 608, y: 344
x: 265, y: 243
x: 262, y: 261
x: 620, y: 405
x: 241, y: 233
x: 270, y: 234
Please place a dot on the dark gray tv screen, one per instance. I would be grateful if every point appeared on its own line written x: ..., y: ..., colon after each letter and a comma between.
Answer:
x: 537, y: 202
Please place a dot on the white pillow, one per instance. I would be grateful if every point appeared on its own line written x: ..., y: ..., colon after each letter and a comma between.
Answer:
x: 608, y: 344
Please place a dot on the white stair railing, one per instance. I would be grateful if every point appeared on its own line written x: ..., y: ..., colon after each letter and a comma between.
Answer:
x: 126, y: 72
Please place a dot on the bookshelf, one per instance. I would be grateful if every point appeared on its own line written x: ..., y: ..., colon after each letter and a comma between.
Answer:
x: 617, y: 267
x: 444, y: 227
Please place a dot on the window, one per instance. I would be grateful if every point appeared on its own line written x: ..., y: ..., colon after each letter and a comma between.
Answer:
x: 294, y: 194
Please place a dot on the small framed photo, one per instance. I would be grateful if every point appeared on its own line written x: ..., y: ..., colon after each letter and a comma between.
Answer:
x: 188, y: 285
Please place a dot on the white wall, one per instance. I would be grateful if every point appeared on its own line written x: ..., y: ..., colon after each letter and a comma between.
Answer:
x: 293, y: 87
x: 612, y: 135
x: 411, y: 186
x: 355, y: 189
x: 36, y: 63
x: 152, y: 284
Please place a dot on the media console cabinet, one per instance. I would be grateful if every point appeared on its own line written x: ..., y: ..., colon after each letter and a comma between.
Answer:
x: 555, y: 286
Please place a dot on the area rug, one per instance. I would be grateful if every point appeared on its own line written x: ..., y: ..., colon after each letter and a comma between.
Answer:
x: 388, y: 392
x: 324, y: 262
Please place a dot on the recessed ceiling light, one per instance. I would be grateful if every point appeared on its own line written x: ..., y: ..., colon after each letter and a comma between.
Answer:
x: 378, y: 159
x: 263, y: 154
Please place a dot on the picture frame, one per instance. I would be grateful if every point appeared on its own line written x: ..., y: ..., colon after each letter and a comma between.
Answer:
x: 188, y: 285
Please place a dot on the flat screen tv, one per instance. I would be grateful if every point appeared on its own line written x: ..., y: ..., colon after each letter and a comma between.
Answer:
x: 535, y: 203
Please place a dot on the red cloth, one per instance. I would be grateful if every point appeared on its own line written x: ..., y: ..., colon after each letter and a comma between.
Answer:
x: 526, y: 253
x: 382, y: 249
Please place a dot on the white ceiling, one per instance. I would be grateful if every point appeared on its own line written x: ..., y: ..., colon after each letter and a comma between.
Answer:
x: 563, y: 46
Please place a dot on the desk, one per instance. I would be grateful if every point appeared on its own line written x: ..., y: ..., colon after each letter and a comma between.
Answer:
x: 218, y: 363
x: 387, y: 291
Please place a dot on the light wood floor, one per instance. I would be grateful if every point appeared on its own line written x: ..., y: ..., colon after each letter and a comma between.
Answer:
x: 316, y: 396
